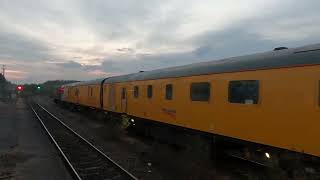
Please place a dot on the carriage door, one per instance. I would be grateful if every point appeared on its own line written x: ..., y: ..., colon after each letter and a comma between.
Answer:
x: 77, y: 93
x: 124, y: 100
x: 112, y: 97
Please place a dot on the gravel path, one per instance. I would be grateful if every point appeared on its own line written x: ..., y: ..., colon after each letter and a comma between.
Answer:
x: 25, y: 150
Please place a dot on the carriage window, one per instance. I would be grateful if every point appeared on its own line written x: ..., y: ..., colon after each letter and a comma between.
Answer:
x: 136, y: 91
x: 149, y: 91
x: 90, y: 91
x: 169, y: 91
x: 123, y: 93
x: 200, y: 91
x: 77, y: 92
x: 244, y: 92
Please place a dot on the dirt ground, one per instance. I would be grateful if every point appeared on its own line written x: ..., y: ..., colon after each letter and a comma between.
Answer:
x: 25, y: 149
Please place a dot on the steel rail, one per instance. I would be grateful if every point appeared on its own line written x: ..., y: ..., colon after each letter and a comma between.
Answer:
x: 56, y: 144
x: 80, y: 137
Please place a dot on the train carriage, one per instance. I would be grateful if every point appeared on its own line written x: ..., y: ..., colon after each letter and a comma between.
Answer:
x: 270, y: 98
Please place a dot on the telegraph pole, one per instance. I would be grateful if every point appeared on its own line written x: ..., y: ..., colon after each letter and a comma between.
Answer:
x: 3, y: 70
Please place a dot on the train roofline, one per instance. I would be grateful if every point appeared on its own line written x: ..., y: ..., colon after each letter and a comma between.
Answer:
x: 281, y: 58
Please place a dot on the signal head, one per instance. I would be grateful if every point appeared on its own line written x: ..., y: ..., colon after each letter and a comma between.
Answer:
x: 20, y: 88
x: 61, y: 89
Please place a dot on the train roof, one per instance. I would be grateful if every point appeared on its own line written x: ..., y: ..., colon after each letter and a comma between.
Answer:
x: 71, y: 84
x: 91, y: 82
x: 279, y: 58
x: 96, y: 81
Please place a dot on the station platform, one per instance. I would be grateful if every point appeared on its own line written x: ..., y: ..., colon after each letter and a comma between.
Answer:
x: 25, y: 150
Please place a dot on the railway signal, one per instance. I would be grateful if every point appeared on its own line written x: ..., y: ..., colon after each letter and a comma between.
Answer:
x: 61, y: 89
x: 19, y: 88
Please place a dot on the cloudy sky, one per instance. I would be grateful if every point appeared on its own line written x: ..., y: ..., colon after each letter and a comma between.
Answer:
x: 80, y: 39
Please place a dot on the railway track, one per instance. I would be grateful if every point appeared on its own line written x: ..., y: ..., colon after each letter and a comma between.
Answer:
x: 83, y: 158
x: 246, y: 168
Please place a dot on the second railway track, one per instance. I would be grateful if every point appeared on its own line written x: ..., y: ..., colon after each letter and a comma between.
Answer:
x: 83, y: 158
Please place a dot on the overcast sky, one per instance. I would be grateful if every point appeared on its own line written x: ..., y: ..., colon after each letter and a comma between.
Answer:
x: 82, y: 40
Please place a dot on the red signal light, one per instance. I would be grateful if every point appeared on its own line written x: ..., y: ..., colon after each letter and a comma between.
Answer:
x: 61, y: 89
x: 20, y: 88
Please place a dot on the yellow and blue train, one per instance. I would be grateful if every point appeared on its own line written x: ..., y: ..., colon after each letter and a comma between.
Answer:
x: 271, y: 99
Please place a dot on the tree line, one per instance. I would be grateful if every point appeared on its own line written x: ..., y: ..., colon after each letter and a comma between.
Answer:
x: 5, y: 87
x: 48, y: 88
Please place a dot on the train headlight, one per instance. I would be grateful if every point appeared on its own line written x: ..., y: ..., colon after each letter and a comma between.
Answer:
x: 267, y: 155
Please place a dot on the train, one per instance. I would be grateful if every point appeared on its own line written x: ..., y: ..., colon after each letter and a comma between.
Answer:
x: 268, y: 100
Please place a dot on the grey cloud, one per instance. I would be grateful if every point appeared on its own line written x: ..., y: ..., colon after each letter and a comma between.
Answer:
x: 230, y: 42
x: 14, y: 46
x: 114, y: 19
x: 34, y: 12
x: 146, y: 62
x: 126, y: 50
x: 70, y: 64
x: 150, y: 25
x: 251, y: 35
x: 122, y: 20
x: 60, y: 71
x: 212, y: 45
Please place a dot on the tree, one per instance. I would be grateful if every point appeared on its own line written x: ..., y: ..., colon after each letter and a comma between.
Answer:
x: 3, y: 84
